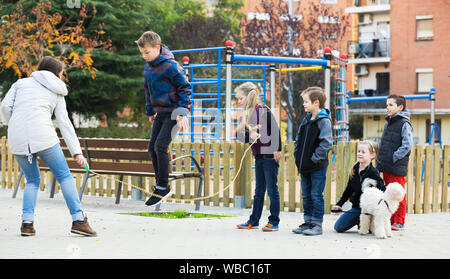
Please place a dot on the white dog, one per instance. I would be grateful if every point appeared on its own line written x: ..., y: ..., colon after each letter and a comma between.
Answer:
x: 378, y: 206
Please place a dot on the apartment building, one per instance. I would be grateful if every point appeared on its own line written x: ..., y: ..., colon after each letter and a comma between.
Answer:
x: 420, y: 50
x: 370, y: 50
x: 402, y: 48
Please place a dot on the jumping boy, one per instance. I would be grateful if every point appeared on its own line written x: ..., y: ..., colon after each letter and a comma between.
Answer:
x: 167, y: 103
x: 314, y: 140
x: 395, y: 147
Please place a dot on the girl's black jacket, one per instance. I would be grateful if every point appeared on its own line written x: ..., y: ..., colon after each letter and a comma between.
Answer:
x: 353, y: 189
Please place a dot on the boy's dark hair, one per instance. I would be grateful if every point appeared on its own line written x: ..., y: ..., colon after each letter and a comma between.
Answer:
x: 316, y: 94
x: 149, y: 38
x: 399, y: 100
x: 51, y: 64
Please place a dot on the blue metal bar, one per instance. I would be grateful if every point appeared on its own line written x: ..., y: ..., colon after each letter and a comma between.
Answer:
x: 192, y: 107
x: 383, y: 98
x: 195, y: 134
x: 210, y: 138
x: 214, y: 123
x: 201, y: 116
x: 278, y: 59
x: 203, y: 82
x: 219, y: 89
x: 215, y: 94
x: 235, y: 79
x: 204, y: 100
x: 197, y: 49
x: 194, y: 66
x: 248, y: 66
x: 214, y: 109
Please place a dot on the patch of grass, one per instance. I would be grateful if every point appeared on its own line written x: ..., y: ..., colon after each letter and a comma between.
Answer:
x: 178, y: 214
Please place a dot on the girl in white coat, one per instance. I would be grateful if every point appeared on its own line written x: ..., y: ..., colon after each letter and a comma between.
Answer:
x: 28, y: 108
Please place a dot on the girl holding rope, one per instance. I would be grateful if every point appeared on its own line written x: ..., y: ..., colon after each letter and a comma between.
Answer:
x: 258, y: 123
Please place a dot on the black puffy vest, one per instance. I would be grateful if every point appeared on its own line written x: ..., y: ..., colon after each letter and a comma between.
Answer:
x: 391, y: 140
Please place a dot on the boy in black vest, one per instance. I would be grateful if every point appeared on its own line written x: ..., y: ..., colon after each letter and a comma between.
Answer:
x: 314, y: 140
x: 395, y: 147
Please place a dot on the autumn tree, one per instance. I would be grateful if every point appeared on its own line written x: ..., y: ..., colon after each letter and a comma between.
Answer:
x: 24, y: 40
x: 118, y: 67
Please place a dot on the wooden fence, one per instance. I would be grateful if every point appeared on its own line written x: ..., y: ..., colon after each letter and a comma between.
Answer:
x: 220, y: 160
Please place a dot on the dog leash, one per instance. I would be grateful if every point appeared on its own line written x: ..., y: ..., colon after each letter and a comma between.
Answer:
x: 387, y: 205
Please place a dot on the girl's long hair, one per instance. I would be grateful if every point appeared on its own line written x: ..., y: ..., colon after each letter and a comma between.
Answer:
x: 250, y: 90
x: 373, y: 149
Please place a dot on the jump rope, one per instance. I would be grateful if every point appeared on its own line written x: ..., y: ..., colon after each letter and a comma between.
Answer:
x: 184, y: 199
x: 179, y: 199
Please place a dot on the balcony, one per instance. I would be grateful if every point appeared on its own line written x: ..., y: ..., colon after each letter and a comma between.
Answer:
x: 372, y: 7
x: 377, y: 51
x: 367, y: 107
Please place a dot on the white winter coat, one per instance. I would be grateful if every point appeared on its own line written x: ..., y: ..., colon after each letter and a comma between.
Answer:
x: 28, y: 107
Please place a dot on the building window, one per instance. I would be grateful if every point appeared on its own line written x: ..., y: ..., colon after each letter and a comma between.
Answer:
x: 382, y: 83
x: 436, y: 134
x: 424, y: 80
x: 424, y: 27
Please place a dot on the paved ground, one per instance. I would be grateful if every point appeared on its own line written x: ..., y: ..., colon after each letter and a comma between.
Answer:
x: 128, y: 236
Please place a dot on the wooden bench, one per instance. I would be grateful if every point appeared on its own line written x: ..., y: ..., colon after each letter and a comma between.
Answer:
x: 122, y: 157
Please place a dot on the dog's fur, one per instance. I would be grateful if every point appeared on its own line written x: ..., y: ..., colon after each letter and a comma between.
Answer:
x: 377, y: 207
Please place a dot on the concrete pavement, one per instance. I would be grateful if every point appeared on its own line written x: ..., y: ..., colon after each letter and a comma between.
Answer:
x: 127, y: 236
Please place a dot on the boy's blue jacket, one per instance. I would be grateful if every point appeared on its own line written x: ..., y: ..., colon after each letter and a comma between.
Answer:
x: 166, y: 86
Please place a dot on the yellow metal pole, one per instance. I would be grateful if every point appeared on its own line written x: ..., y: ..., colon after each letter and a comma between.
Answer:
x: 305, y: 69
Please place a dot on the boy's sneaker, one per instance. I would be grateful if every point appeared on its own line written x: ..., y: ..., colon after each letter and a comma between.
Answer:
x: 316, y: 229
x: 302, y: 228
x: 270, y: 228
x: 162, y: 192
x: 246, y: 226
x: 27, y: 229
x: 397, y: 226
x: 83, y: 228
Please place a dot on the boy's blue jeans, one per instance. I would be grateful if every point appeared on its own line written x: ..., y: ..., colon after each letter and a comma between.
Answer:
x: 313, y: 185
x: 347, y: 220
x: 266, y: 173
x: 54, y: 158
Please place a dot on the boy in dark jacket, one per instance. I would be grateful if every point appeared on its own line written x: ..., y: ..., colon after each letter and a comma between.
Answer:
x: 395, y: 147
x: 314, y: 140
x: 167, y: 103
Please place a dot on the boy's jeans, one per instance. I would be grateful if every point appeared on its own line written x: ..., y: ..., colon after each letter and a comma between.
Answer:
x: 313, y: 185
x: 54, y: 158
x: 160, y: 139
x: 266, y: 173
